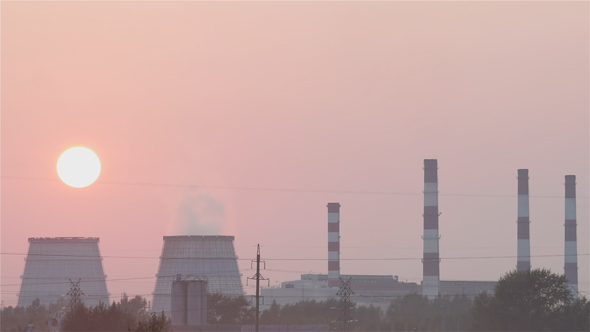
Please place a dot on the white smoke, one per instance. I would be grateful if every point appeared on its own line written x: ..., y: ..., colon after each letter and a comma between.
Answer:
x: 200, y: 214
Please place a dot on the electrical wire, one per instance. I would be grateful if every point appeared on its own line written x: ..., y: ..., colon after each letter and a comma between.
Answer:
x: 292, y: 190
x: 289, y: 259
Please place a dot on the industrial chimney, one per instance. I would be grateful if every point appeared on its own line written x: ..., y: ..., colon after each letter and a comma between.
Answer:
x: 571, y: 251
x: 431, y: 260
x: 333, y: 244
x: 524, y: 247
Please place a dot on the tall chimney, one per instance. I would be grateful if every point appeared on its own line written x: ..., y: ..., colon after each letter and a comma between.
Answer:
x: 431, y: 260
x: 571, y: 251
x: 333, y: 244
x: 524, y: 246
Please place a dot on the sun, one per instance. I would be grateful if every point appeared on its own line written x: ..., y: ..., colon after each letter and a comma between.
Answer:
x: 78, y: 167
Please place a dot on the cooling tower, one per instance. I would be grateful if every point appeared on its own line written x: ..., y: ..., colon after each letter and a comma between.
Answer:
x: 211, y: 258
x: 571, y: 250
x: 431, y: 260
x: 52, y: 262
x: 333, y: 244
x: 523, y: 262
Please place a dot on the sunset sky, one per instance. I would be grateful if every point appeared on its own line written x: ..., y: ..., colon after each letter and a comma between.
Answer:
x: 247, y: 118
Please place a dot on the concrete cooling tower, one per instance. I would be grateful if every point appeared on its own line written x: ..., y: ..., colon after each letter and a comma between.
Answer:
x: 52, y: 262
x: 195, y: 257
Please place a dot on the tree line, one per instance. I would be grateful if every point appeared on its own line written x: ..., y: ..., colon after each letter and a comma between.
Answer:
x: 126, y: 315
x: 320, y: 312
x: 535, y: 300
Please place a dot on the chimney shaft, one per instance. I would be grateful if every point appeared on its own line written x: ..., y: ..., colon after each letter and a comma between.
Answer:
x: 571, y: 250
x: 524, y: 247
x: 431, y: 259
x: 333, y: 244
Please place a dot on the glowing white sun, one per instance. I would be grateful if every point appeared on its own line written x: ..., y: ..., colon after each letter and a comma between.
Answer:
x: 78, y: 167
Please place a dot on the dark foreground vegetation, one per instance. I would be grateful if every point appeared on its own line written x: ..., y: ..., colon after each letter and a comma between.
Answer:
x: 537, y: 300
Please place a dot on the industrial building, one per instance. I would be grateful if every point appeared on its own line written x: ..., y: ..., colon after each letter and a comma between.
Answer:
x: 208, y: 258
x: 189, y: 302
x: 380, y: 290
x: 377, y: 290
x: 51, y: 265
x: 54, y: 264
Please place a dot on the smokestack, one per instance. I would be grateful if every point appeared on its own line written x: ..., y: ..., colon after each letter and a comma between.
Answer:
x: 571, y: 251
x: 333, y: 244
x: 524, y: 247
x: 431, y: 260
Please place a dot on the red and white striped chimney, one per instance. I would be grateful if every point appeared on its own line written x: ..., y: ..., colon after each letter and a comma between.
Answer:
x: 431, y: 260
x: 523, y: 262
x: 571, y: 250
x: 333, y: 244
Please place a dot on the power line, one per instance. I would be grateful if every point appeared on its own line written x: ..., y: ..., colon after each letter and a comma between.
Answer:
x: 293, y: 190
x: 296, y: 259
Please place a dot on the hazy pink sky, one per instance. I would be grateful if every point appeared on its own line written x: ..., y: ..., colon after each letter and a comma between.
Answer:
x: 338, y: 97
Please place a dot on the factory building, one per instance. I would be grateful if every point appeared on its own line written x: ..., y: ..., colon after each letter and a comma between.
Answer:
x: 189, y: 302
x: 208, y: 258
x: 52, y: 262
x: 380, y: 290
x: 377, y: 290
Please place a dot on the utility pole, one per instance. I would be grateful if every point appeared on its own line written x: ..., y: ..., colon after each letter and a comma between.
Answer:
x: 345, y: 303
x: 258, y: 277
x: 74, y: 293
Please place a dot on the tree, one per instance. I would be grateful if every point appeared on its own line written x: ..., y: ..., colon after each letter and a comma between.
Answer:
x: 133, y: 309
x: 272, y: 315
x: 321, y: 312
x: 19, y: 318
x: 533, y: 300
x: 415, y: 312
x: 310, y: 312
x: 408, y: 312
x: 577, y: 316
x: 119, y: 316
x: 36, y: 309
x: 155, y: 323
x: 483, y: 312
x: 367, y: 318
x: 223, y: 309
x: 77, y: 318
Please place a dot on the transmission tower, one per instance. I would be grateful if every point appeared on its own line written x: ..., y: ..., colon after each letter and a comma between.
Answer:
x: 345, y: 305
x: 74, y: 293
x: 258, y: 277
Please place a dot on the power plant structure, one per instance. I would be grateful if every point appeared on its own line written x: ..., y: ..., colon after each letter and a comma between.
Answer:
x: 333, y: 244
x: 189, y: 302
x: 54, y: 263
x: 193, y: 265
x: 571, y: 250
x: 379, y: 290
x: 431, y: 259
x: 524, y: 244
x: 210, y: 258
